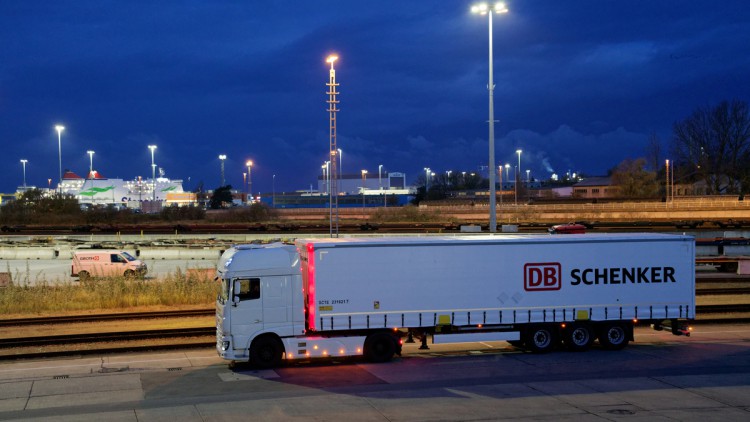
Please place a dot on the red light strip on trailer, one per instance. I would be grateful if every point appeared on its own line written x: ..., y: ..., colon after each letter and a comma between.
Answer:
x: 311, y: 286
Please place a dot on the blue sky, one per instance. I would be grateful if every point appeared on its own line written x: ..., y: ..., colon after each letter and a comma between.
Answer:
x: 580, y: 85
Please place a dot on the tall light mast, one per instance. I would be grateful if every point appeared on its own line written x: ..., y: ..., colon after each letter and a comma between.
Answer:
x: 333, y: 191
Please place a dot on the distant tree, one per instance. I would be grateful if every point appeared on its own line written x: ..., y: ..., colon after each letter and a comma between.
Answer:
x: 713, y: 144
x: 221, y: 198
x: 633, y: 180
x: 33, y: 207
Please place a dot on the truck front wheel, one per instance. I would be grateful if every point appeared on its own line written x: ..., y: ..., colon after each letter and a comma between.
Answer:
x: 380, y: 347
x: 266, y: 352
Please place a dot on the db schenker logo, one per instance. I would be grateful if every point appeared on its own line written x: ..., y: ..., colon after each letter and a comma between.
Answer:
x: 542, y: 276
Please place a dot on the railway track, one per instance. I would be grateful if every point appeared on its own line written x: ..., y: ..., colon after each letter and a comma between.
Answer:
x: 105, y: 317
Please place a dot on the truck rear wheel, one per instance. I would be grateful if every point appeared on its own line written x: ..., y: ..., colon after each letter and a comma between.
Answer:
x: 266, y: 352
x: 380, y: 347
x: 614, y: 336
x: 540, y: 339
x: 83, y: 275
x: 578, y: 337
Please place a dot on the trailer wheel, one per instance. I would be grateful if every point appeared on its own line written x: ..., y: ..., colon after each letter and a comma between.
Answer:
x: 613, y: 336
x: 578, y: 337
x: 266, y: 352
x: 380, y: 347
x: 83, y: 275
x: 539, y: 339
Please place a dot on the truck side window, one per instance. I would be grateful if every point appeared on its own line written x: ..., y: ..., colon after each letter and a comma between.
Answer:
x: 249, y: 289
x: 115, y: 258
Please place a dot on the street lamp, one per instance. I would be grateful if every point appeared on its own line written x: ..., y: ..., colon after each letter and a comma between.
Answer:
x: 380, y: 182
x: 341, y: 164
x: 273, y: 189
x: 249, y: 165
x: 153, y: 171
x: 59, y: 129
x: 528, y: 176
x: 91, y: 172
x: 91, y: 163
x: 484, y: 9
x: 23, y: 163
x: 518, y: 151
x: 507, y: 172
x: 364, y: 181
x: 427, y: 172
x: 222, y: 157
x: 333, y: 191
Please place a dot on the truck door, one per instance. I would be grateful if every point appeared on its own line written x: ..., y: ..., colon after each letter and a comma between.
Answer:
x: 247, y: 310
x: 276, y: 299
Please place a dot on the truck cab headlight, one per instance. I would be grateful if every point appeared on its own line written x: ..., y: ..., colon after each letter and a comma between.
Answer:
x: 224, y: 346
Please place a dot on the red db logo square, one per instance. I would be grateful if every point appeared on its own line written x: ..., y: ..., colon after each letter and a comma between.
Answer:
x: 542, y: 276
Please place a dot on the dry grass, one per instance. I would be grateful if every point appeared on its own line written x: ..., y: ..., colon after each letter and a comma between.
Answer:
x: 110, y: 294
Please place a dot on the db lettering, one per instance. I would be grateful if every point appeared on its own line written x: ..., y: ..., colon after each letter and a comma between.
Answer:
x: 542, y: 276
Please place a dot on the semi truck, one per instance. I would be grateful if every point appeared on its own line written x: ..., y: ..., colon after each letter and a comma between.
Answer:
x: 362, y: 296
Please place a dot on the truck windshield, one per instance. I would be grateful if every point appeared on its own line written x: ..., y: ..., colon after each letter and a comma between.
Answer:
x: 224, y: 294
x: 128, y: 256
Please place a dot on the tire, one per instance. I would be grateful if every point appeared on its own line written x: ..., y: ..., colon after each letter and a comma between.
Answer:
x: 578, y: 337
x: 540, y: 339
x: 614, y: 336
x: 266, y: 352
x: 129, y: 274
x: 380, y: 347
x: 83, y: 275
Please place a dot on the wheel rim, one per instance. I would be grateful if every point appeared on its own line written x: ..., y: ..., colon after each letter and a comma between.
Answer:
x: 580, y: 336
x: 615, y: 335
x: 542, y: 339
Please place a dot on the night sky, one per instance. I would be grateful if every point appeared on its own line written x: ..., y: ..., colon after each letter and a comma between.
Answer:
x: 580, y: 85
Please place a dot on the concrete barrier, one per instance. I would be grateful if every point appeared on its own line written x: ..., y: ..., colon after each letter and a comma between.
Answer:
x: 27, y: 253
x: 178, y: 254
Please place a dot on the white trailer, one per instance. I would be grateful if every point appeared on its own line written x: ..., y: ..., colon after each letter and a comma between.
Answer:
x: 355, y: 296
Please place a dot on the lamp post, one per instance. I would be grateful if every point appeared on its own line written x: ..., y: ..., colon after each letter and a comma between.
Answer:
x: 273, y: 190
x: 249, y: 165
x: 341, y: 164
x: 59, y: 129
x: 91, y: 172
x: 333, y: 192
x: 517, y: 172
x: 484, y: 9
x: 325, y: 178
x: 153, y: 172
x: 91, y: 163
x: 427, y: 172
x: 364, y: 181
x: 507, y: 172
x: 222, y: 157
x: 23, y: 163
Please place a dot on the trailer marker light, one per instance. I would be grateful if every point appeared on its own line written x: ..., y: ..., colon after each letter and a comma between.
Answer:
x: 479, y: 325
x: 325, y: 353
x: 562, y: 325
x: 341, y: 352
x: 359, y: 350
x: 635, y: 320
x: 315, y: 347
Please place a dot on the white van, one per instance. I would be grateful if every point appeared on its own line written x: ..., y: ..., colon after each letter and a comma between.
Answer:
x: 106, y: 263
